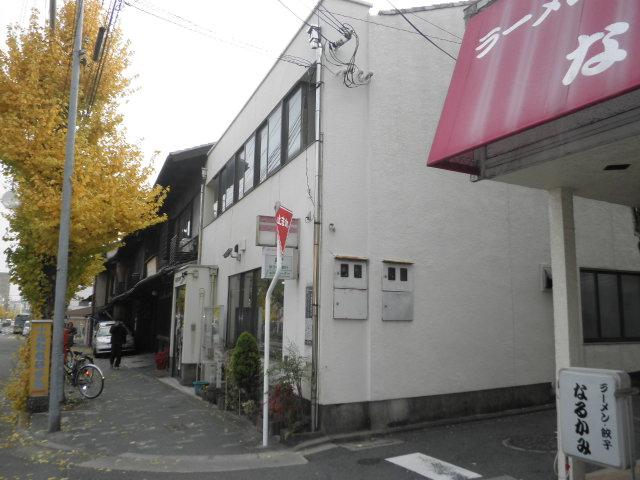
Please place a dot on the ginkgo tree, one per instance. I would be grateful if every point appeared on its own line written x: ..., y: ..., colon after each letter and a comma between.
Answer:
x: 111, y: 195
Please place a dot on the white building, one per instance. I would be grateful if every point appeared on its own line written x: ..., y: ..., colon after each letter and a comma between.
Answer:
x: 433, y: 298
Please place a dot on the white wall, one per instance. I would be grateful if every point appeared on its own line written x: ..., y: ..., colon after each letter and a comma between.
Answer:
x: 481, y: 320
x: 289, y: 186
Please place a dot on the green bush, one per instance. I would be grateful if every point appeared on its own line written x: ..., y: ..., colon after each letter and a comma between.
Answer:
x: 244, y: 367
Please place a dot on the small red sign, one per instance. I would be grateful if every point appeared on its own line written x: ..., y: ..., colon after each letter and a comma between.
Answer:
x: 283, y: 223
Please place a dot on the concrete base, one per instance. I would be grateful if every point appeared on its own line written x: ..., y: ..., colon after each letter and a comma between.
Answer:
x: 347, y: 417
x: 38, y: 404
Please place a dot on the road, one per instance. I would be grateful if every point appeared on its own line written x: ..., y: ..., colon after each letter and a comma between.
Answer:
x: 521, y: 446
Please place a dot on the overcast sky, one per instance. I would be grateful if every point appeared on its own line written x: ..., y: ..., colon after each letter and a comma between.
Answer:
x: 191, y: 86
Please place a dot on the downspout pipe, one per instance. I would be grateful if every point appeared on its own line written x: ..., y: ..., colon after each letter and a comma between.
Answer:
x: 317, y: 228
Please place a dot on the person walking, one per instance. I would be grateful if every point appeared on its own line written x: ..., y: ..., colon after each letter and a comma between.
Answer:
x: 118, y: 338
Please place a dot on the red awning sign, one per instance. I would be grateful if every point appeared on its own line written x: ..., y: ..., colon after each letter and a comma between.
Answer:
x: 528, y: 62
x: 283, y: 223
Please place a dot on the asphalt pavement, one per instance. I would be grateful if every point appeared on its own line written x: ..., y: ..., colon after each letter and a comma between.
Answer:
x: 143, y: 427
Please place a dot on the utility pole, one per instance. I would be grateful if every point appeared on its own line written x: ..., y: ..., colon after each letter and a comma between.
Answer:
x: 52, y: 14
x: 57, y: 367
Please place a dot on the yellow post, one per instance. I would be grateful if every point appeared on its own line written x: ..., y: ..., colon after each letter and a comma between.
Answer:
x: 39, y: 365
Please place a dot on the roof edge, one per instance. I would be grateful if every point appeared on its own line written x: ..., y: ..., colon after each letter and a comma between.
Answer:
x: 428, y: 8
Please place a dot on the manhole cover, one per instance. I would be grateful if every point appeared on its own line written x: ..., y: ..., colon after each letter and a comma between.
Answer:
x: 538, y: 443
x: 369, y: 461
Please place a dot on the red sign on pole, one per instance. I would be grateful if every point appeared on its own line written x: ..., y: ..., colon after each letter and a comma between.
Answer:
x: 283, y: 222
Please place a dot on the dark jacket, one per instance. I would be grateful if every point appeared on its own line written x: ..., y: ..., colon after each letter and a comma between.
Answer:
x: 118, y: 334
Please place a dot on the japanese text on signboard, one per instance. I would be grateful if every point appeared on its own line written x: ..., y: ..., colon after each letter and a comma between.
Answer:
x: 592, y: 417
x: 580, y: 63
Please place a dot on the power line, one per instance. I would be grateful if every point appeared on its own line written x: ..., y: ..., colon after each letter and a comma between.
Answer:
x: 412, y: 32
x: 302, y: 20
x: 420, y: 32
x: 435, y: 25
x: 206, y: 32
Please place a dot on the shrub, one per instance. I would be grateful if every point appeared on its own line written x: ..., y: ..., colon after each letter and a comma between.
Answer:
x: 162, y: 359
x: 244, y: 367
x: 17, y: 388
x: 286, y: 401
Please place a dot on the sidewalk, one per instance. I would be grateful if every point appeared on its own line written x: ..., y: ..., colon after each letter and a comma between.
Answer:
x: 141, y: 423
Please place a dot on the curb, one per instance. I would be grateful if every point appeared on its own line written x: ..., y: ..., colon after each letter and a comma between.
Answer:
x: 362, y: 434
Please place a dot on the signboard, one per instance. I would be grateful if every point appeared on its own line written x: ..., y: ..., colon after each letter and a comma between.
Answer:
x: 40, y: 338
x: 289, y: 263
x: 595, y: 415
x: 266, y: 232
x: 529, y: 62
x: 308, y: 315
x: 283, y: 222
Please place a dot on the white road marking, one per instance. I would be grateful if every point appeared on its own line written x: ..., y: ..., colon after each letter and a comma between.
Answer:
x: 432, y: 467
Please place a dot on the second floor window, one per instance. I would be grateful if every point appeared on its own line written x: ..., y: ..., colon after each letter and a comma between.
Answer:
x: 227, y: 181
x: 294, y: 123
x: 275, y: 140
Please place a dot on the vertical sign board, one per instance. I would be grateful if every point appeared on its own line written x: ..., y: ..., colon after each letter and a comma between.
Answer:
x: 595, y: 416
x: 40, y: 338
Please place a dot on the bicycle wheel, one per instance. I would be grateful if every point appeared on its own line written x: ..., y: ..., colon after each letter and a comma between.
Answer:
x: 89, y: 381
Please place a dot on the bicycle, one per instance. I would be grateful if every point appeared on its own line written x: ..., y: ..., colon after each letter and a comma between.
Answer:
x: 81, y: 373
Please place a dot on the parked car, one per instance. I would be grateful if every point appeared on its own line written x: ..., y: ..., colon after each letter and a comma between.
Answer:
x: 102, y: 339
x: 27, y: 328
x: 18, y: 322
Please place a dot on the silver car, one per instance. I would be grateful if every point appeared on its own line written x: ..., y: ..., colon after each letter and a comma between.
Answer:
x: 102, y: 339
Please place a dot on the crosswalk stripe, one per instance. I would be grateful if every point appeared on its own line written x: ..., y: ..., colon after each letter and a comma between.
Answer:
x: 432, y: 467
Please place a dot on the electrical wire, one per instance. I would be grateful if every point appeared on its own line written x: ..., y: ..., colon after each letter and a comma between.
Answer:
x: 412, y: 32
x: 206, y: 32
x: 435, y: 25
x: 421, y: 33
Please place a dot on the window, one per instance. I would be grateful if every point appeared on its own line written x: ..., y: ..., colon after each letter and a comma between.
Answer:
x: 288, y: 130
x: 215, y: 195
x: 184, y: 223
x: 263, y: 144
x: 294, y: 123
x: 245, y: 159
x: 227, y: 181
x: 246, y: 310
x: 610, y: 306
x: 274, y: 125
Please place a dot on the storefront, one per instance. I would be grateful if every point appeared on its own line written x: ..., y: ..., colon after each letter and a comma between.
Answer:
x: 547, y: 96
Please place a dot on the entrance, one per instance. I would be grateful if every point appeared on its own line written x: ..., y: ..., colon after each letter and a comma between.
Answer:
x: 177, y: 332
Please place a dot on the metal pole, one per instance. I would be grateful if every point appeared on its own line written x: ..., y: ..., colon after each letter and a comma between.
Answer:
x: 57, y: 368
x: 631, y: 437
x: 203, y: 180
x: 52, y: 14
x: 267, y: 335
x: 317, y: 224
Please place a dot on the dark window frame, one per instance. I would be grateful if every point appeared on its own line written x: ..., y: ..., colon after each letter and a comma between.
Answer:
x: 620, y: 301
x: 307, y: 137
